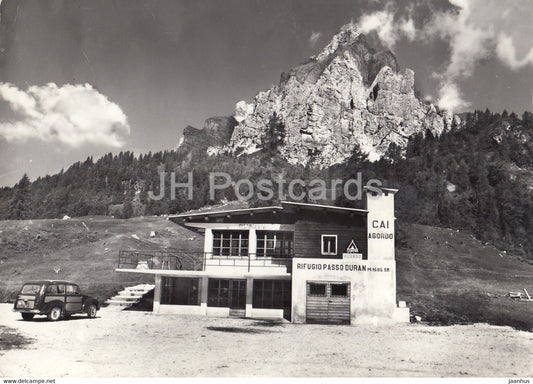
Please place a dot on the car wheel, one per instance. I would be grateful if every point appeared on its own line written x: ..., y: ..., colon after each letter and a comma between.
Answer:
x: 54, y: 314
x: 91, y: 311
x: 27, y: 316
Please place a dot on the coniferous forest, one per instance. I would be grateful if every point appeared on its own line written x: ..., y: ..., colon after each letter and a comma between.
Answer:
x: 477, y: 177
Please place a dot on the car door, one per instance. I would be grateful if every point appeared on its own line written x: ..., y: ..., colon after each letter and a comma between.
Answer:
x: 55, y: 292
x: 73, y: 298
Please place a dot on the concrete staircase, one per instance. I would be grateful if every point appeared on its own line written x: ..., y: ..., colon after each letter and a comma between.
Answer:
x: 129, y: 296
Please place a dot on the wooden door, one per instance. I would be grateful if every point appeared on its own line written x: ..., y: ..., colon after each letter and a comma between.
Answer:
x: 74, y: 299
x: 328, y: 302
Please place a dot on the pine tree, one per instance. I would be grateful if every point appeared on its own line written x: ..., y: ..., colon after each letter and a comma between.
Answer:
x: 20, y: 202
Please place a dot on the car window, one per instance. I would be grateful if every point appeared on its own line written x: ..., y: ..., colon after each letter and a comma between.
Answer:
x: 31, y: 288
x: 61, y: 288
x: 72, y: 289
x: 52, y: 289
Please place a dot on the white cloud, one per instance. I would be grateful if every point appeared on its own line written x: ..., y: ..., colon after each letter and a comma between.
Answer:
x: 382, y: 22
x: 478, y: 29
x: 450, y: 97
x: 71, y: 114
x: 388, y: 25
x: 506, y: 52
x: 474, y: 30
x: 314, y: 37
x: 407, y: 26
x: 468, y: 42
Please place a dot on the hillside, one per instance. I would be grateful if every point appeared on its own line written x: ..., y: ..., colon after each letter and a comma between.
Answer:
x: 446, y: 276
x: 85, y: 250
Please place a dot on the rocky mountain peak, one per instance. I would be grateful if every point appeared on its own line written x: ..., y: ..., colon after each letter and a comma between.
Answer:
x: 348, y: 96
x: 347, y: 36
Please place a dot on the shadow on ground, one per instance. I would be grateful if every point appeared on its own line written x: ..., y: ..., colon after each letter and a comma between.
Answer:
x: 236, y: 330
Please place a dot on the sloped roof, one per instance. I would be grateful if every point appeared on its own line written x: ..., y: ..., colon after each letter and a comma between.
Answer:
x: 285, y: 206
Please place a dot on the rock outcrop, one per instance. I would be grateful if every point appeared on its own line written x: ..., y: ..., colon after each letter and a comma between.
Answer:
x: 346, y: 96
x: 216, y: 131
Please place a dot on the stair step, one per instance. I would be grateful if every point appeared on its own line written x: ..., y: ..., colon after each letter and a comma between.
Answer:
x: 237, y: 312
x: 120, y: 302
x: 129, y: 296
x: 126, y: 298
x: 133, y: 294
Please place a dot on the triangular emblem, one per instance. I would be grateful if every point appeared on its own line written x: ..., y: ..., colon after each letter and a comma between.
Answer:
x: 352, y: 248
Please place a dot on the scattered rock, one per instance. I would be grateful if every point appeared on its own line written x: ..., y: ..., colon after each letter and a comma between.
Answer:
x: 66, y: 217
x: 152, y: 233
x: 135, y: 237
x: 450, y: 187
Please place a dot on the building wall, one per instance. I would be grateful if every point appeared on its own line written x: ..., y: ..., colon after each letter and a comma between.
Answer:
x: 372, y: 280
x: 380, y: 226
x: 372, y: 286
x: 310, y: 227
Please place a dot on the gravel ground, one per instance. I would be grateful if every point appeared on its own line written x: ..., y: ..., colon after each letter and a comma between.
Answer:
x: 140, y: 344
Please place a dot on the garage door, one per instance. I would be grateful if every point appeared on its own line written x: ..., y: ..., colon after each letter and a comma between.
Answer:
x: 328, y: 302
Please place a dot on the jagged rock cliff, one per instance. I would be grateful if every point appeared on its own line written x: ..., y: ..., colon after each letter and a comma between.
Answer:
x: 345, y: 96
x: 216, y: 131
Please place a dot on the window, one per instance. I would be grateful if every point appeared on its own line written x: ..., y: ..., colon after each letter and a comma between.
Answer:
x: 31, y: 288
x: 61, y: 288
x: 230, y: 243
x: 73, y: 290
x: 52, y: 289
x: 329, y: 244
x: 317, y: 289
x: 275, y: 244
x: 272, y: 294
x: 218, y: 293
x: 180, y: 291
x: 339, y: 290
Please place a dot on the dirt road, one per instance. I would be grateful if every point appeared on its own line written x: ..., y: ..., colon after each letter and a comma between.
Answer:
x: 140, y: 344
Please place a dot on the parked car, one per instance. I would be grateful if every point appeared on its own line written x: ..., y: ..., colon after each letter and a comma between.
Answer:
x: 55, y: 299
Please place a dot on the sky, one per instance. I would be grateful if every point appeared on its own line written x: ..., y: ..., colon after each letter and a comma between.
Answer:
x: 83, y: 78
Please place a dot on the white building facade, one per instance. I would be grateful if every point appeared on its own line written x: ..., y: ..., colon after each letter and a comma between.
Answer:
x: 306, y: 263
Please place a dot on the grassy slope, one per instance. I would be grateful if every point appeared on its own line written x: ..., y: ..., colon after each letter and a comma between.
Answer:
x: 32, y: 249
x: 447, y: 276
x: 444, y: 275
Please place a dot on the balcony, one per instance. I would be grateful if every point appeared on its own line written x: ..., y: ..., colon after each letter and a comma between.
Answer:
x: 249, y: 262
x: 201, y: 261
x: 157, y: 260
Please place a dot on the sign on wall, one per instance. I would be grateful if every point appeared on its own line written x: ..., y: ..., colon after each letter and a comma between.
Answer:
x: 352, y: 252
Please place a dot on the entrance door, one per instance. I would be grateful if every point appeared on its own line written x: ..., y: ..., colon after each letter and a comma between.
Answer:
x: 227, y: 293
x: 328, y: 302
x: 238, y: 294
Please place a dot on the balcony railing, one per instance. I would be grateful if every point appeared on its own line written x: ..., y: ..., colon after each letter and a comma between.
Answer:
x: 249, y: 260
x: 197, y: 261
x: 149, y: 260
